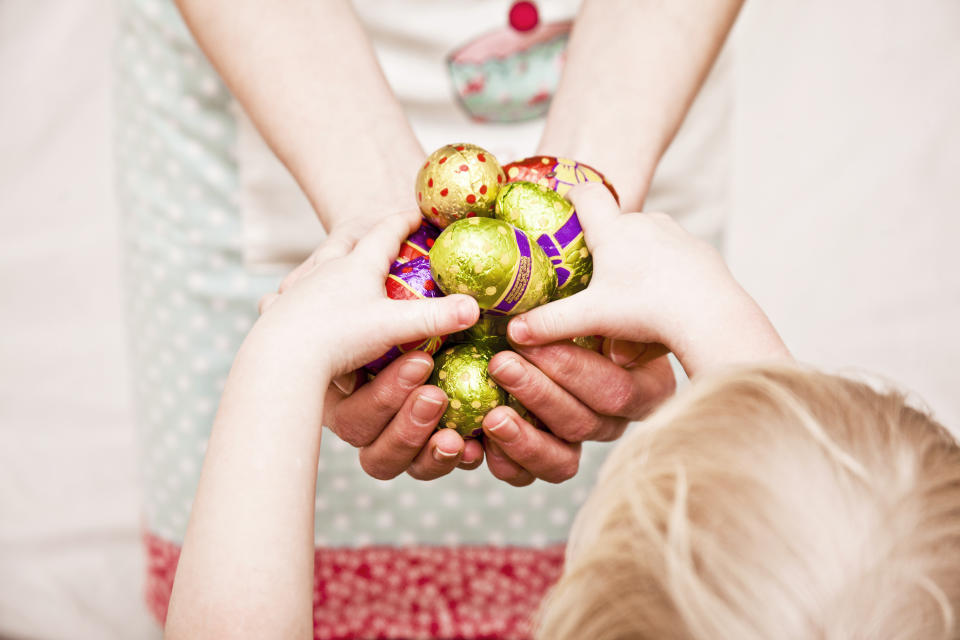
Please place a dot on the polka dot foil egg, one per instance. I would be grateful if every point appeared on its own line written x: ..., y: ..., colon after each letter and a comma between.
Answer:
x: 495, y: 263
x: 458, y: 181
x: 409, y: 280
x: 461, y: 372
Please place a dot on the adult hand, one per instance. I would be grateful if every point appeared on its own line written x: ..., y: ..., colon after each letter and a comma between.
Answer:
x: 392, y: 419
x: 578, y: 394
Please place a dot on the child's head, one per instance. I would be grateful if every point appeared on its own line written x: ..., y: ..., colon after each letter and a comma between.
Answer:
x: 769, y: 503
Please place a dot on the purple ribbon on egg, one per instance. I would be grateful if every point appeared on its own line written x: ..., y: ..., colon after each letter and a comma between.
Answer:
x: 520, y: 281
x: 553, y: 245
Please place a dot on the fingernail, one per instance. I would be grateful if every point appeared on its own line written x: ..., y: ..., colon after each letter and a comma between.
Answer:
x: 414, y: 371
x: 444, y: 456
x: 509, y: 372
x: 346, y: 383
x: 465, y: 312
x: 518, y: 330
x: 425, y: 409
x: 623, y: 352
x: 505, y: 430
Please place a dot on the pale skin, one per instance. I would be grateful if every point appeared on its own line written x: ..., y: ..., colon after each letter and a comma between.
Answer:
x: 246, y: 569
x: 620, y: 123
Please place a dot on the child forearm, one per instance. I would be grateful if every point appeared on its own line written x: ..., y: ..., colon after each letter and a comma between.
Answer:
x: 306, y: 74
x: 627, y: 87
x: 246, y: 569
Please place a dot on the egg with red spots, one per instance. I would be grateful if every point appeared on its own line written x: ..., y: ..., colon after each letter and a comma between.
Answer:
x: 458, y: 181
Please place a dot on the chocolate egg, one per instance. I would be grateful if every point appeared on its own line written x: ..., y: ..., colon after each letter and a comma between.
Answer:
x: 458, y: 181
x: 558, y: 174
x: 409, y: 281
x: 553, y: 223
x: 496, y: 263
x: 418, y: 243
x: 525, y: 413
x: 461, y: 372
x: 591, y: 343
x: 490, y: 331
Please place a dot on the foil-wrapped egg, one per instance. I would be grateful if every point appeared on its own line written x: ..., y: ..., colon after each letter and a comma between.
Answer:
x: 458, y: 181
x: 557, y: 174
x: 461, y: 372
x: 496, y: 263
x: 552, y: 222
x: 409, y: 280
x: 418, y: 243
x: 490, y: 331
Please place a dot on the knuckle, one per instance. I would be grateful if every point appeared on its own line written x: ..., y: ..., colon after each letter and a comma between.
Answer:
x: 382, y: 399
x: 375, y: 468
x: 567, y: 363
x: 521, y: 479
x: 617, y: 396
x: 406, y: 438
x: 417, y: 473
x: 354, y: 436
x: 565, y: 471
x: 583, y: 430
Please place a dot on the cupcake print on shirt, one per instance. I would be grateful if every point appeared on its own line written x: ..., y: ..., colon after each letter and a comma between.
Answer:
x: 510, y: 74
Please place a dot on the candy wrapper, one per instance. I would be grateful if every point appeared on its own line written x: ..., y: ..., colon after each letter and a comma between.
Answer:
x: 496, y: 263
x: 458, y: 181
x: 409, y: 281
x: 490, y: 331
x: 419, y: 243
x: 461, y: 372
x: 553, y: 223
x: 557, y: 174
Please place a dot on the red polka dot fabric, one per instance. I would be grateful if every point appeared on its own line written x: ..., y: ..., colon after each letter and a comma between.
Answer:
x: 386, y: 593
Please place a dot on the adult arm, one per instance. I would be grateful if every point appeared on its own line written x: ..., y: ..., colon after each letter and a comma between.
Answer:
x: 306, y: 74
x: 633, y: 69
x: 627, y: 86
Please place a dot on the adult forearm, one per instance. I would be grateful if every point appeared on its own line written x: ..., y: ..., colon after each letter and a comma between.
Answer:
x: 306, y: 74
x: 626, y: 88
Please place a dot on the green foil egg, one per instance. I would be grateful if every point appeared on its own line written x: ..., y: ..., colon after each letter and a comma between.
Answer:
x: 552, y: 222
x: 490, y: 331
x: 496, y: 263
x: 461, y: 372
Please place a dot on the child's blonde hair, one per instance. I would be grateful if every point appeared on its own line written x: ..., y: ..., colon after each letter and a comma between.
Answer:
x: 769, y: 503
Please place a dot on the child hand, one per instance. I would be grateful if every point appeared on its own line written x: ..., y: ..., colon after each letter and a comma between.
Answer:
x: 337, y: 314
x: 653, y: 282
x: 333, y: 311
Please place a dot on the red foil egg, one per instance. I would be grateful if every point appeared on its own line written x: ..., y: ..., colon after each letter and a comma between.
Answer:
x: 559, y: 174
x: 409, y: 280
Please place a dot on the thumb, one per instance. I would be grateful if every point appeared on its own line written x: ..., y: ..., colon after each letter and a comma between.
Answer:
x: 596, y: 209
x: 558, y: 320
x: 421, y: 319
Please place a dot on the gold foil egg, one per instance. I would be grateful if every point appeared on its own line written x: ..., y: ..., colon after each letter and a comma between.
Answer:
x: 458, y: 181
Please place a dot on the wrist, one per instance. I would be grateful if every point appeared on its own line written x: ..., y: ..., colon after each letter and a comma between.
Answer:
x: 376, y: 185
x: 285, y: 356
x: 629, y: 171
x: 733, y: 331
